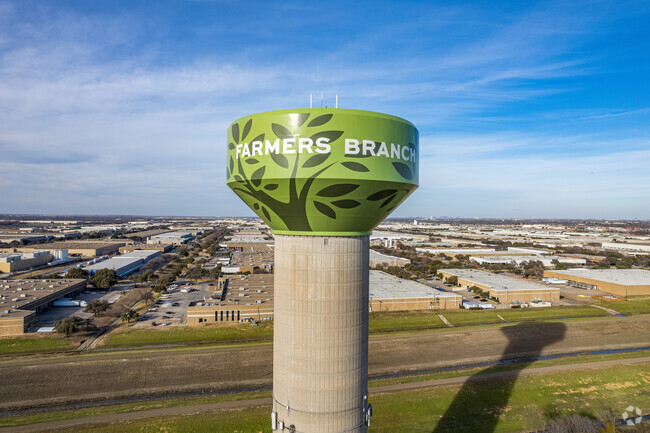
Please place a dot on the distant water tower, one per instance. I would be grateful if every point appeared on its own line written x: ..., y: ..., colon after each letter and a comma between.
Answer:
x: 322, y: 179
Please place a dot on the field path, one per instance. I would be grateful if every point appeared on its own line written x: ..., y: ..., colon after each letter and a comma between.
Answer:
x: 261, y: 402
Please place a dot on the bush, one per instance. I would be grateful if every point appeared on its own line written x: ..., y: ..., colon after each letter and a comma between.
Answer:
x: 68, y: 326
x: 104, y: 279
x: 76, y: 273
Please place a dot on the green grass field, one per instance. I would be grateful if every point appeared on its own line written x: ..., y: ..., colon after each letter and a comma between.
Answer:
x: 633, y: 306
x: 34, y: 344
x: 500, y: 406
x: 134, y: 337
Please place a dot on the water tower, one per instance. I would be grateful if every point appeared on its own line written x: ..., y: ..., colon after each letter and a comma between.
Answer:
x: 322, y: 179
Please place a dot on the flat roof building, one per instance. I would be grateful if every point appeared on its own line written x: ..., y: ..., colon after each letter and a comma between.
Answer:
x: 621, y: 282
x: 518, y: 260
x: 389, y: 293
x: 501, y: 287
x: 12, y: 262
x: 78, y: 248
x: 377, y: 259
x: 126, y: 263
x: 170, y: 238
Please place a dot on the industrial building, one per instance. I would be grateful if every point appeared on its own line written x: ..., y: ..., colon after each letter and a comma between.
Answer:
x: 12, y: 262
x: 170, y: 238
x: 518, y: 260
x: 21, y: 300
x: 248, y: 258
x: 124, y: 264
x: 380, y: 259
x: 236, y: 299
x: 389, y: 293
x: 88, y: 249
x: 621, y: 282
x: 500, y: 287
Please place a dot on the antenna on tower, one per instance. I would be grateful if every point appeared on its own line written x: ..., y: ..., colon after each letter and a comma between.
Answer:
x: 311, y: 97
x: 336, y: 104
x: 321, y: 99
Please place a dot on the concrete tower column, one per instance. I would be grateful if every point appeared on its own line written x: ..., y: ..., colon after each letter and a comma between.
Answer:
x: 320, y: 344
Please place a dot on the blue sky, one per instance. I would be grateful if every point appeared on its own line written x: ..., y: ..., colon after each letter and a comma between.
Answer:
x: 525, y: 109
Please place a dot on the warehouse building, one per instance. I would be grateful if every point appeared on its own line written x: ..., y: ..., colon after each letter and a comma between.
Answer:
x: 170, y: 238
x: 21, y: 300
x: 380, y: 259
x: 126, y: 263
x: 500, y: 287
x: 78, y: 248
x: 389, y: 293
x: 236, y: 299
x: 621, y: 282
x: 12, y: 262
x: 248, y: 258
x: 518, y: 260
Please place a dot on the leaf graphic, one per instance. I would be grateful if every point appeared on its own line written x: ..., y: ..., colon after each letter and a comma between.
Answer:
x: 238, y: 178
x: 256, y: 177
x: 271, y: 187
x: 331, y: 135
x: 251, y: 161
x: 266, y: 213
x: 346, y: 204
x: 280, y: 159
x: 302, y: 117
x: 355, y: 166
x: 325, y: 209
x: 231, y: 146
x: 390, y: 209
x: 234, y: 129
x: 382, y: 194
x: 320, y: 120
x: 256, y: 206
x: 232, y: 164
x: 388, y: 200
x: 315, y: 160
x: 337, y: 190
x: 281, y: 131
x: 259, y: 138
x: 403, y: 170
x: 247, y: 129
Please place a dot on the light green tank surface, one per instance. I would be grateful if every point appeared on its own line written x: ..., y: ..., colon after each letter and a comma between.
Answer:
x: 322, y: 171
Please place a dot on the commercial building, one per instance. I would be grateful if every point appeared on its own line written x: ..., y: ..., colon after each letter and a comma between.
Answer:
x: 380, y: 259
x: 389, y: 293
x: 248, y: 258
x: 621, y: 282
x: 88, y: 249
x: 236, y: 299
x: 170, y: 238
x: 12, y: 262
x: 518, y: 260
x: 500, y: 287
x: 21, y: 300
x: 126, y: 263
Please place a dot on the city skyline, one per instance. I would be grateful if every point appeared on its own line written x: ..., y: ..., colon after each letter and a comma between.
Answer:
x: 535, y: 111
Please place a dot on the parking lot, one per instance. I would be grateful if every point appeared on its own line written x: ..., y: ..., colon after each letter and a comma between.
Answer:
x: 171, y: 308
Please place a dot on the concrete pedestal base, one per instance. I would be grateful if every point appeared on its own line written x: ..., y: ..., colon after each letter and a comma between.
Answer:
x: 320, y: 343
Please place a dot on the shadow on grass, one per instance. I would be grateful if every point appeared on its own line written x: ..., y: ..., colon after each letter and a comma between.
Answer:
x: 477, y: 407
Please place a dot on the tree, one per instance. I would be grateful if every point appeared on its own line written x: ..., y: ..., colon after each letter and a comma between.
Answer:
x: 104, y: 279
x: 76, y: 273
x: 453, y: 280
x: 147, y: 297
x: 96, y: 307
x: 129, y: 316
x: 68, y: 326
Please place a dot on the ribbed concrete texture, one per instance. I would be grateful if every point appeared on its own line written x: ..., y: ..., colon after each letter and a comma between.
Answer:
x: 320, y: 352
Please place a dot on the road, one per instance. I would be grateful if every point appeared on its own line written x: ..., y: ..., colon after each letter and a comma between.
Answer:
x: 99, y: 420
x: 33, y: 381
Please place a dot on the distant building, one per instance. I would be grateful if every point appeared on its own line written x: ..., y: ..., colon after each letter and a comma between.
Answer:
x: 389, y: 293
x: 78, y: 248
x: 124, y: 264
x: 12, y: 262
x: 621, y: 282
x: 377, y: 259
x: 518, y: 260
x: 170, y: 238
x: 505, y: 289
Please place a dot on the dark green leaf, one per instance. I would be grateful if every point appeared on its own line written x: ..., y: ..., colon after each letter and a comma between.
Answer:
x: 346, y: 204
x: 331, y: 135
x: 247, y: 129
x: 302, y: 117
x: 251, y: 161
x: 355, y: 166
x: 325, y: 209
x: 382, y: 194
x: 403, y: 170
x: 271, y: 187
x: 238, y: 179
x: 256, y: 206
x: 315, y: 160
x: 231, y: 146
x: 281, y: 131
x: 280, y: 159
x: 390, y: 209
x: 258, y: 138
x: 232, y: 164
x: 337, y: 190
x: 266, y: 213
x: 320, y: 120
x: 388, y: 200
x: 256, y: 177
x: 234, y: 130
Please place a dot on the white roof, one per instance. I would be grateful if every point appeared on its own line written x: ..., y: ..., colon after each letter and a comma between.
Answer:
x: 627, y: 277
x: 376, y: 256
x: 495, y: 281
x: 386, y: 286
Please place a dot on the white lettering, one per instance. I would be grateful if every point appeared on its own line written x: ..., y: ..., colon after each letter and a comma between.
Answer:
x: 305, y: 144
x: 323, y: 145
x: 239, y: 146
x: 368, y: 147
x: 272, y: 148
x: 257, y: 147
x: 394, y: 150
x: 287, y: 145
x: 351, y: 146
x: 404, y: 157
x: 246, y: 151
x: 383, y: 150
